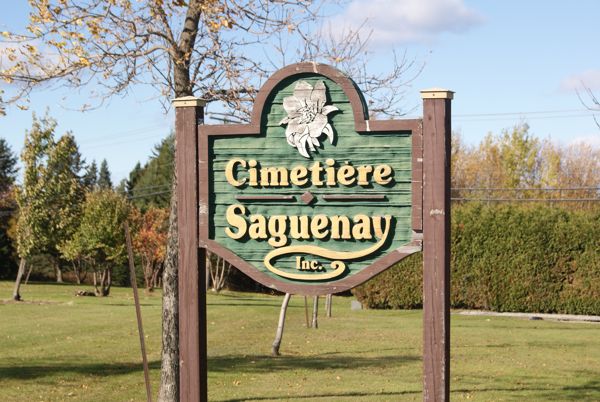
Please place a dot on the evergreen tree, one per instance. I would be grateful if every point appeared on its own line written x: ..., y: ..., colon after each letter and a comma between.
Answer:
x: 134, y: 176
x: 104, y: 180
x: 152, y: 186
x: 8, y: 166
x: 8, y: 171
x: 90, y: 177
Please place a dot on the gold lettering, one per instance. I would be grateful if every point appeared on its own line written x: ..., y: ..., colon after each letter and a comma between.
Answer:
x: 330, y: 172
x: 346, y: 175
x: 258, y: 227
x: 340, y: 227
x: 363, y: 171
x: 377, y: 225
x: 233, y: 219
x: 362, y: 228
x: 253, y: 172
x: 318, y: 223
x: 299, y: 227
x: 230, y: 174
x: 382, y: 174
x: 277, y: 229
x: 315, y: 171
x: 298, y: 175
x: 274, y: 176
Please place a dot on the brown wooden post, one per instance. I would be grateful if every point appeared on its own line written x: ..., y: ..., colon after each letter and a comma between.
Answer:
x: 192, y: 262
x: 436, y: 244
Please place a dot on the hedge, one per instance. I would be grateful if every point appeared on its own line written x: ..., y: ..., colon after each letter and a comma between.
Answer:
x: 507, y: 258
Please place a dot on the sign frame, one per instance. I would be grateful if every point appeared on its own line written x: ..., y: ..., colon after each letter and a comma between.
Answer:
x: 430, y: 224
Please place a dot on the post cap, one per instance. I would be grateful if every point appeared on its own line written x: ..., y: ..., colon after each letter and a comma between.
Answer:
x: 437, y: 93
x: 188, y: 101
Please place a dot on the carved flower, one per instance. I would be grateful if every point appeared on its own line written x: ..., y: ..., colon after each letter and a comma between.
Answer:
x: 307, y: 117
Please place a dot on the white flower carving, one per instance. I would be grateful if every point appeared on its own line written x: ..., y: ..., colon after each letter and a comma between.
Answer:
x: 307, y: 117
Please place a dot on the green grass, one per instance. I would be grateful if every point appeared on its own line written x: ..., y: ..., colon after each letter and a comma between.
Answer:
x: 58, y: 347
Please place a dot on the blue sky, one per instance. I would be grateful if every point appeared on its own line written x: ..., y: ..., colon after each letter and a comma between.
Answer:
x: 508, y: 62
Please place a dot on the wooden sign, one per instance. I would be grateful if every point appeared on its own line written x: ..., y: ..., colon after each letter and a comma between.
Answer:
x: 311, y: 197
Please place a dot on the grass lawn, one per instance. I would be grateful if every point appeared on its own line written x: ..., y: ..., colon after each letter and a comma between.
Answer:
x: 59, y: 347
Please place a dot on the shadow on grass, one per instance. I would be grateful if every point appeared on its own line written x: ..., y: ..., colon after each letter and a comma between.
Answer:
x: 265, y: 363
x: 330, y: 395
x: 28, y: 372
x: 589, y: 391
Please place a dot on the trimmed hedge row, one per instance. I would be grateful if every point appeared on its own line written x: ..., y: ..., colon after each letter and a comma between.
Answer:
x: 507, y: 258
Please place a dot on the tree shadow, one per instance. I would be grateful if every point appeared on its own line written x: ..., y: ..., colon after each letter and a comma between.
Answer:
x: 589, y: 391
x: 266, y: 363
x: 357, y: 394
x: 34, y: 371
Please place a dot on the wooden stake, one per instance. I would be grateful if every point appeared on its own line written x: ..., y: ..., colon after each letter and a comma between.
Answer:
x: 138, y: 311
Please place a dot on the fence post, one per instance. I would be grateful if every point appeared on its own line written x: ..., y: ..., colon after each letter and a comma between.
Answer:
x: 436, y: 243
x: 189, y: 112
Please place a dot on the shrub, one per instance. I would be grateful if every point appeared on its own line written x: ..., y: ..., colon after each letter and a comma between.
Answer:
x: 507, y: 258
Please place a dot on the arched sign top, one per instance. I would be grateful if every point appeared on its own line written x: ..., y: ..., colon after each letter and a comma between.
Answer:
x: 311, y: 197
x: 359, y: 107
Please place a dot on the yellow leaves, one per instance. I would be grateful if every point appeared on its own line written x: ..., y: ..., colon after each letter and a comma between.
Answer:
x: 226, y: 23
x: 219, y: 23
x: 32, y: 50
x: 85, y: 62
x: 6, y: 34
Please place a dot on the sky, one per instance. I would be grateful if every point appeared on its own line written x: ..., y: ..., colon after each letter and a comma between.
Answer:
x: 508, y: 62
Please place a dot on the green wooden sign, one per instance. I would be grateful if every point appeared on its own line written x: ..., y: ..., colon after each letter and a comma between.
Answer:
x: 311, y: 197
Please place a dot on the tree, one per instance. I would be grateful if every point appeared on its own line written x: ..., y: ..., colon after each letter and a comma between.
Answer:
x: 134, y: 176
x: 51, y: 195
x: 152, y: 183
x: 99, y: 238
x: 104, y: 180
x: 179, y: 47
x: 8, y: 167
x: 517, y: 160
x: 90, y: 176
x: 8, y: 172
x: 150, y: 242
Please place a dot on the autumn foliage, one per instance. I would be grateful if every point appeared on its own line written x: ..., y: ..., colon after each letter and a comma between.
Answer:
x: 150, y: 243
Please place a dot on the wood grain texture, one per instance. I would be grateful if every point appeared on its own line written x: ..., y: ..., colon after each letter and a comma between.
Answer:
x: 378, y: 142
x: 436, y: 249
x: 192, y: 292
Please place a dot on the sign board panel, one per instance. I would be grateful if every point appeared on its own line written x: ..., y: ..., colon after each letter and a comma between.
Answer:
x: 311, y: 197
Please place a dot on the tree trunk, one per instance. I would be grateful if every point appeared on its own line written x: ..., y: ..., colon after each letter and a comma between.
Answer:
x: 77, y: 271
x: 58, y: 271
x: 148, y: 274
x: 108, y: 281
x: 169, y: 367
x: 306, y: 311
x: 328, y: 301
x: 28, y: 273
x: 16, y: 290
x: 315, y: 324
x: 279, y: 333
